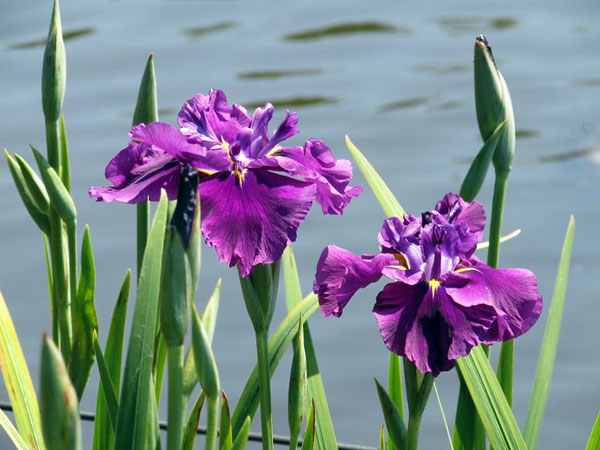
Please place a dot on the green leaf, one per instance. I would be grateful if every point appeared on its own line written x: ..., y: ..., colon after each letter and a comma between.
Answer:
x: 209, y: 320
x: 545, y: 367
x: 107, y: 385
x: 309, y: 435
x: 146, y: 108
x: 65, y: 171
x: 476, y: 175
x: 206, y: 367
x: 297, y: 387
x: 12, y: 432
x: 393, y: 420
x: 59, y: 406
x: 395, y: 388
x: 191, y: 426
x: 249, y: 399
x: 225, y: 434
x: 59, y: 196
x: 384, y: 195
x: 325, y: 435
x: 594, y: 440
x: 35, y: 186
x: 382, y: 438
x: 134, y: 422
x: 85, y: 322
x: 242, y: 437
x: 496, y: 415
x: 38, y: 216
x: 18, y: 381
x: 104, y: 435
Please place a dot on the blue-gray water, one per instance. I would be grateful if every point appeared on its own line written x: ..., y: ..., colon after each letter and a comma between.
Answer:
x: 403, y: 92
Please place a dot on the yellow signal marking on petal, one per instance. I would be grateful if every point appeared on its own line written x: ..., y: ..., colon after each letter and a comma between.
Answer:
x: 225, y: 145
x: 434, y: 284
x: 402, y: 259
x: 466, y: 269
x: 240, y: 175
x: 207, y: 171
x: 274, y: 150
x: 397, y: 267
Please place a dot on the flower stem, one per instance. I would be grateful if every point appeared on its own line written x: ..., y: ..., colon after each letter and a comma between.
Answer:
x: 212, y: 423
x: 143, y: 225
x: 264, y: 380
x: 412, y: 432
x: 175, y: 406
x: 496, y: 222
x: 72, y: 243
x: 58, y: 250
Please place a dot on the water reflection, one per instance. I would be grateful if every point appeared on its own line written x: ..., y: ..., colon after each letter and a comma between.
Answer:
x: 67, y: 36
x: 448, y: 104
x: 587, y: 82
x: 403, y: 104
x: 474, y: 25
x: 294, y: 102
x: 270, y: 74
x: 573, y: 154
x: 341, y: 29
x: 443, y: 68
x: 523, y: 133
x: 202, y: 30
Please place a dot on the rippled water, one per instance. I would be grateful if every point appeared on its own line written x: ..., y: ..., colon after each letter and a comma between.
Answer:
x: 397, y: 78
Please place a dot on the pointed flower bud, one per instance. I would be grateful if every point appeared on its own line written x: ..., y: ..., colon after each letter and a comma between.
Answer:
x: 54, y: 69
x: 206, y: 367
x: 260, y: 292
x: 59, y: 406
x: 493, y: 103
x: 297, y: 388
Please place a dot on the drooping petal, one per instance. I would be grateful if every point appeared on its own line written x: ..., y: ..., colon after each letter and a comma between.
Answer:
x: 513, y: 293
x: 315, y: 163
x: 251, y: 223
x: 138, y: 173
x: 340, y: 274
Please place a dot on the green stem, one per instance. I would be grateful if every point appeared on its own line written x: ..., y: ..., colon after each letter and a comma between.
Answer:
x: 175, y: 406
x: 412, y: 432
x: 143, y: 224
x: 57, y: 252
x: 72, y: 242
x: 159, y: 367
x: 264, y: 380
x: 496, y: 221
x: 212, y: 423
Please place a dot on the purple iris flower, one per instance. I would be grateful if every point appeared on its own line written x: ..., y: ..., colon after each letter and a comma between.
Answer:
x: 443, y: 300
x: 254, y: 192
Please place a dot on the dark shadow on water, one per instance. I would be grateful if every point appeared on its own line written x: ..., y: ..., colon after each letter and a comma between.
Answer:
x: 67, y: 36
x: 272, y: 74
x: 586, y: 82
x: 342, y: 29
x: 403, y: 104
x: 294, y: 102
x: 443, y: 68
x: 448, y: 104
x: 573, y: 154
x: 474, y: 25
x: 196, y: 32
x: 524, y: 133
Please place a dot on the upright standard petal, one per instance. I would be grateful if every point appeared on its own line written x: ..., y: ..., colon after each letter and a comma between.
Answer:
x: 251, y: 222
x: 138, y: 173
x: 340, y: 274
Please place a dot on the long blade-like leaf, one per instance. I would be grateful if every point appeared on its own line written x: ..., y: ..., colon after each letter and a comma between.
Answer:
x: 191, y: 426
x: 18, y: 381
x: 545, y: 366
x: 107, y: 385
x: 393, y: 420
x: 248, y: 402
x: 134, y: 422
x: 12, y: 432
x: 496, y: 415
x: 242, y: 437
x: 85, y: 321
x: 309, y: 435
x: 594, y: 440
x: 325, y: 435
x: 386, y: 199
x: 104, y: 435
x: 225, y: 435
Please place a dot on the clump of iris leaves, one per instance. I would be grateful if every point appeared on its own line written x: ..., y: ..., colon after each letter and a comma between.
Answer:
x: 126, y: 415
